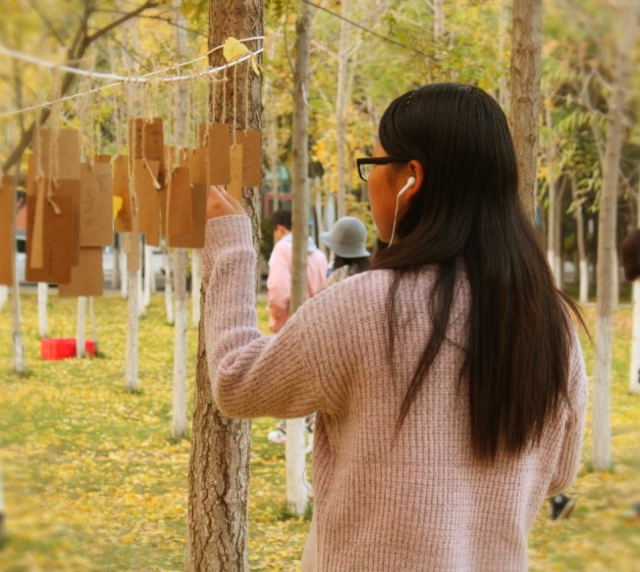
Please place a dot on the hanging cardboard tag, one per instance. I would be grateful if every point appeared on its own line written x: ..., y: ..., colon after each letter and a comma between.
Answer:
x: 179, y: 203
x: 235, y: 186
x: 251, y: 142
x: 6, y: 233
x: 36, y: 240
x: 146, y: 140
x: 57, y: 244
x: 217, y: 140
x: 72, y: 189
x: 195, y: 238
x: 96, y: 225
x: 60, y: 160
x: 197, y: 161
x: 123, y: 222
x: 87, y: 279
x: 144, y: 174
x: 32, y: 189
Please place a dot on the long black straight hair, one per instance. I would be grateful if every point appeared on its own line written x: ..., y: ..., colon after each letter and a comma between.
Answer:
x: 468, y: 217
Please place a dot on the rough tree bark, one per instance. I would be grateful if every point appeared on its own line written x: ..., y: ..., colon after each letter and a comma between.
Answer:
x: 220, y: 447
x: 601, y: 422
x: 295, y: 444
x: 526, y: 42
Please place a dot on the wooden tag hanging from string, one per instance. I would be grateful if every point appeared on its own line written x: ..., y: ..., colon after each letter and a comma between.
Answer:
x: 7, y: 206
x: 235, y: 186
x: 123, y: 221
x: 144, y: 174
x: 179, y: 204
x: 216, y: 139
x: 251, y: 142
x: 87, y: 278
x: 96, y: 216
x: 59, y: 158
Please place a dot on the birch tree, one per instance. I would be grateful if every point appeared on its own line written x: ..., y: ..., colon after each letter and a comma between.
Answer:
x: 342, y: 97
x: 601, y: 422
x: 220, y: 447
x: 4, y: 296
x: 581, y: 243
x: 526, y: 42
x: 43, y: 301
x: 179, y: 410
x: 295, y: 443
x: 16, y: 333
x: 81, y: 327
x: 168, y: 286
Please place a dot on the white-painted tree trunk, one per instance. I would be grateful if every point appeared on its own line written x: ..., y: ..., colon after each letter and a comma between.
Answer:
x: 148, y: 274
x: 16, y: 332
x: 43, y: 301
x: 295, y: 444
x: 584, y: 282
x: 168, y: 286
x: 115, y: 263
x: 179, y: 417
x: 141, y: 307
x: 4, y: 296
x: 342, y: 96
x: 124, y: 282
x: 615, y: 290
x: 582, y: 249
x: 634, y: 370
x: 94, y: 326
x: 81, y: 335
x: 131, y: 366
x: 196, y: 284
x: 601, y: 454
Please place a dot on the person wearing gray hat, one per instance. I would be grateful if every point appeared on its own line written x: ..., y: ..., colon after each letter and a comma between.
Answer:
x: 347, y: 240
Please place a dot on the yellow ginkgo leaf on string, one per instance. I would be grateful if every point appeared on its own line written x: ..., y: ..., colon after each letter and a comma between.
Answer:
x: 233, y: 49
x: 117, y: 205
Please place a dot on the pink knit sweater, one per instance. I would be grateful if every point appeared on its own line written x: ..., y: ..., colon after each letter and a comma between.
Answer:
x: 418, y: 503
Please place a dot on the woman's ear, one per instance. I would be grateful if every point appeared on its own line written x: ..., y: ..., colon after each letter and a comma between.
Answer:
x: 414, y: 169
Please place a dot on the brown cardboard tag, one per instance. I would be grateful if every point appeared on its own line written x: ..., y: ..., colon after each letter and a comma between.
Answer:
x: 60, y: 160
x: 144, y: 174
x: 36, y: 239
x: 146, y: 139
x: 87, y: 277
x: 57, y: 244
x: 217, y: 140
x: 32, y: 189
x: 71, y: 188
x: 235, y: 186
x: 251, y: 142
x: 197, y: 162
x: 179, y: 203
x: 96, y: 211
x: 123, y: 222
x: 194, y: 239
x: 7, y: 197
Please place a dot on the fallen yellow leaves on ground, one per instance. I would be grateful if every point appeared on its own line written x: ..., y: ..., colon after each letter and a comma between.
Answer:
x: 93, y: 481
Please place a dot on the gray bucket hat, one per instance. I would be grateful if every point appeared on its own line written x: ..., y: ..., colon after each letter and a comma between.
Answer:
x: 347, y: 238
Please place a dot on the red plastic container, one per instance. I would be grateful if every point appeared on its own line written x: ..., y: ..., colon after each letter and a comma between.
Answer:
x: 61, y: 348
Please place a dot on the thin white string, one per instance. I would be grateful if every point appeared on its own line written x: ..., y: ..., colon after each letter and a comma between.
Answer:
x: 163, y: 80
x: 96, y: 75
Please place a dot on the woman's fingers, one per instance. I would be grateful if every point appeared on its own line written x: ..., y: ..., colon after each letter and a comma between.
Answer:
x: 220, y: 203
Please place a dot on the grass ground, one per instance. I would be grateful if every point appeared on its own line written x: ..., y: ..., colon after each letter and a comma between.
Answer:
x: 92, y: 480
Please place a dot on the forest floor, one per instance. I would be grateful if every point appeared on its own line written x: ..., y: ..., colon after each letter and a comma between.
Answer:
x: 92, y: 480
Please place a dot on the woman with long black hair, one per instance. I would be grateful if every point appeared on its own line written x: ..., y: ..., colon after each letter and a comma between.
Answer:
x: 449, y: 381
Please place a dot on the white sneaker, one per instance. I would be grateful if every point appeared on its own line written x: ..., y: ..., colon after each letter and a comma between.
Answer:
x: 277, y: 436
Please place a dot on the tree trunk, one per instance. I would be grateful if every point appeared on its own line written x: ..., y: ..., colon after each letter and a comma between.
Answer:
x: 601, y: 423
x: 220, y: 447
x: 179, y: 418
x: 3, y: 514
x: 526, y: 41
x: 295, y: 444
x: 196, y: 285
x: 94, y: 327
x: 271, y: 120
x: 553, y: 234
x: 342, y: 97
x: 438, y: 20
x: 4, y: 296
x: 131, y: 368
x: 16, y: 334
x: 81, y: 327
x: 142, y: 311
x: 582, y: 247
x: 148, y: 274
x: 168, y: 286
x: 179, y: 411
x: 115, y: 266
x: 503, y: 87
x: 43, y: 300
x: 124, y: 282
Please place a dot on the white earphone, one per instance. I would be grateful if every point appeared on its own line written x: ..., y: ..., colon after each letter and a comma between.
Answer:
x: 410, y: 182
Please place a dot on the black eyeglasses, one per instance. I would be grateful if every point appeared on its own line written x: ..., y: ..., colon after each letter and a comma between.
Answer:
x: 366, y: 165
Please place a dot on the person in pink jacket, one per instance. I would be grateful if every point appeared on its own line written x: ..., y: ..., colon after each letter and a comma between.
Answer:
x: 279, y: 280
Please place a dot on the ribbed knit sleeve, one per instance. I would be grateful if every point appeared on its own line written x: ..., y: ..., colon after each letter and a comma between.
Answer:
x: 251, y: 375
x: 569, y: 461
